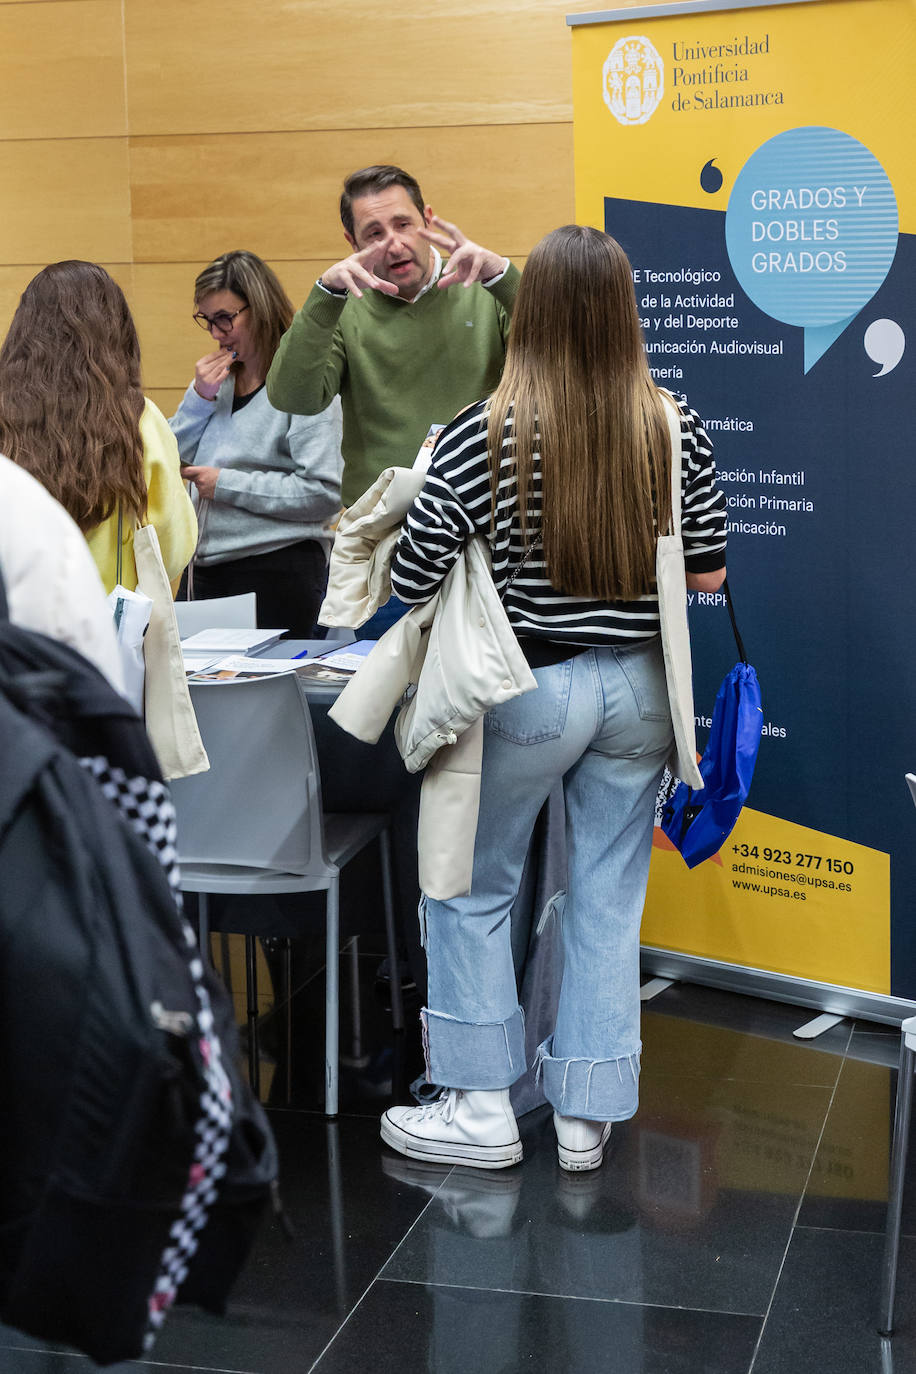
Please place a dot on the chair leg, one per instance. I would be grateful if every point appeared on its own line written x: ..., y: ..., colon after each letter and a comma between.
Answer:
x: 397, y: 1001
x: 203, y: 925
x: 288, y: 994
x: 895, y: 1194
x: 332, y: 1000
x: 356, y: 1011
x: 226, y: 960
x: 251, y: 983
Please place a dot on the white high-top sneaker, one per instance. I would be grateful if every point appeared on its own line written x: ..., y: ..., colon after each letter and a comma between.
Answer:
x: 580, y: 1144
x: 475, y: 1127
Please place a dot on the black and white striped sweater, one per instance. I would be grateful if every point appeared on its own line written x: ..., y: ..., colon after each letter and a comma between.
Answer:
x: 455, y: 503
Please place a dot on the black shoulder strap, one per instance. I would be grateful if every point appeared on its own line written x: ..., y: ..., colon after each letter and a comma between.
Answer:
x: 731, y: 615
x: 4, y: 607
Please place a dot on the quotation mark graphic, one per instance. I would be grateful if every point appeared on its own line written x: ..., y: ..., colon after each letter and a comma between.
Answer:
x: 884, y: 344
x: 711, y: 178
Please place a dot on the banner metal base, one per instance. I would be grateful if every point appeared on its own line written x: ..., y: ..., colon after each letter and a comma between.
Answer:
x: 777, y: 987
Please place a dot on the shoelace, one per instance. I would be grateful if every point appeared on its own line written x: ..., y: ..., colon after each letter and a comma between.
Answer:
x: 442, y: 1109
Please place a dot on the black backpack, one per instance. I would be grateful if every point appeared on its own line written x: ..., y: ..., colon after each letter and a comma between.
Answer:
x: 134, y: 1161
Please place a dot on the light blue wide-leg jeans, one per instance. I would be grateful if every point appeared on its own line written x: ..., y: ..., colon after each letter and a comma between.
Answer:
x: 601, y: 722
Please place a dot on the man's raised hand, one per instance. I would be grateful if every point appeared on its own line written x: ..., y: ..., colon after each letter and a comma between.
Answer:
x: 358, y: 270
x: 468, y: 262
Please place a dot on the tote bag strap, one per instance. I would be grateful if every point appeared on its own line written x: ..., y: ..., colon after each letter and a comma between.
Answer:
x: 672, y: 611
x: 170, y: 720
x: 673, y: 416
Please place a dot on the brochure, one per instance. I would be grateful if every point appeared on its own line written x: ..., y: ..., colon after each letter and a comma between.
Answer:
x: 347, y: 657
x: 240, y: 640
x: 425, y: 451
x: 236, y: 667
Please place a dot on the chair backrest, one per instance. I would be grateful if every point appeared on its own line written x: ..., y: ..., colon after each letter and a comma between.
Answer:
x: 220, y: 612
x: 259, y: 806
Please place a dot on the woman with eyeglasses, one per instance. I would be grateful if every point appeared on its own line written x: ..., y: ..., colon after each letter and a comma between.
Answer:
x: 266, y: 483
x: 73, y: 414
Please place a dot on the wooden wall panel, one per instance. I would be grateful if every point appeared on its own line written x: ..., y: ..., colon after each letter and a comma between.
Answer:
x: 277, y: 194
x: 62, y: 69
x: 243, y: 125
x: 167, y: 399
x: 318, y: 64
x: 14, y: 280
x: 65, y: 198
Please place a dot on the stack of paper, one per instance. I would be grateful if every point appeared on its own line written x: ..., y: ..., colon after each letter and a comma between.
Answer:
x: 240, y: 640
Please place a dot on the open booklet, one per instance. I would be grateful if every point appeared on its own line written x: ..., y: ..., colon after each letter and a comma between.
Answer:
x: 334, y: 666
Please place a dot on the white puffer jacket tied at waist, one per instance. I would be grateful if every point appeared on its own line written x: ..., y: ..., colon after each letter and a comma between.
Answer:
x: 457, y: 652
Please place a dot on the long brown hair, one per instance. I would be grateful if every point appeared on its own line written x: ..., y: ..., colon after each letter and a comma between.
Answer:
x: 576, y: 389
x: 270, y: 310
x: 70, y: 393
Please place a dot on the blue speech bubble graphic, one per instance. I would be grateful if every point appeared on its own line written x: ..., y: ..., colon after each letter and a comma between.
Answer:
x: 811, y: 231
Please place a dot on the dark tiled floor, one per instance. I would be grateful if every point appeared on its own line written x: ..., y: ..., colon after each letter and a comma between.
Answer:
x: 735, y: 1228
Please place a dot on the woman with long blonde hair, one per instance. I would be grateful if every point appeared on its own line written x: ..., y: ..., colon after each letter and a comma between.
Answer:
x: 73, y: 414
x: 566, y: 470
x: 266, y: 483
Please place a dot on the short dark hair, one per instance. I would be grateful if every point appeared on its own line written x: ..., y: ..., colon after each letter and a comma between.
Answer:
x: 374, y: 179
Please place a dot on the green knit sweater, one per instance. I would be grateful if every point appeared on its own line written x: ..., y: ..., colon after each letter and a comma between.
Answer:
x: 399, y: 366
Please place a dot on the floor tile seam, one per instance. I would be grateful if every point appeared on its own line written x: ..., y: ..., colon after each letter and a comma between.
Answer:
x: 145, y: 1364
x: 849, y: 1230
x: 317, y: 1111
x: 352, y: 1312
x: 377, y: 1278
x: 197, y: 1368
x: 656, y: 1076
x: 794, y: 1226
x: 575, y: 1297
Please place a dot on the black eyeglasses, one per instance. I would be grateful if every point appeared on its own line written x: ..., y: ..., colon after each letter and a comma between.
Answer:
x: 222, y: 321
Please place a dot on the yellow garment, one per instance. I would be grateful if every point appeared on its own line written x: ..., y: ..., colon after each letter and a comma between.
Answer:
x: 169, y: 509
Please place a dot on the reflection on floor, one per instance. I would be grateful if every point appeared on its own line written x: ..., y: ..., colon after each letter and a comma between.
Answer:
x: 735, y: 1228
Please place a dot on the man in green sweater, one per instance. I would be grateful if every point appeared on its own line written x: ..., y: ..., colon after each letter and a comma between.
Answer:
x: 383, y: 328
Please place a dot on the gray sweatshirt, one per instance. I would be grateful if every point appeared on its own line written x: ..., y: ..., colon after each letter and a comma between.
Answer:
x: 279, y: 480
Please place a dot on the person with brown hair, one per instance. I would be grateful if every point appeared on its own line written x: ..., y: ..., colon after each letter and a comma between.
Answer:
x: 388, y: 329
x: 566, y: 471
x: 73, y: 414
x: 267, y: 482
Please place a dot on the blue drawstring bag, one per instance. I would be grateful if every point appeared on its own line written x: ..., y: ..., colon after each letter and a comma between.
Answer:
x: 699, y: 821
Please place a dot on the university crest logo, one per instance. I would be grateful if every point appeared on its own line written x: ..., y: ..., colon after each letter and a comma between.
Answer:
x: 634, y: 80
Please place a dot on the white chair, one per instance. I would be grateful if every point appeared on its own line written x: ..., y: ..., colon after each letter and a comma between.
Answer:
x: 254, y: 824
x: 220, y: 612
x: 906, y: 1069
x: 338, y: 635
